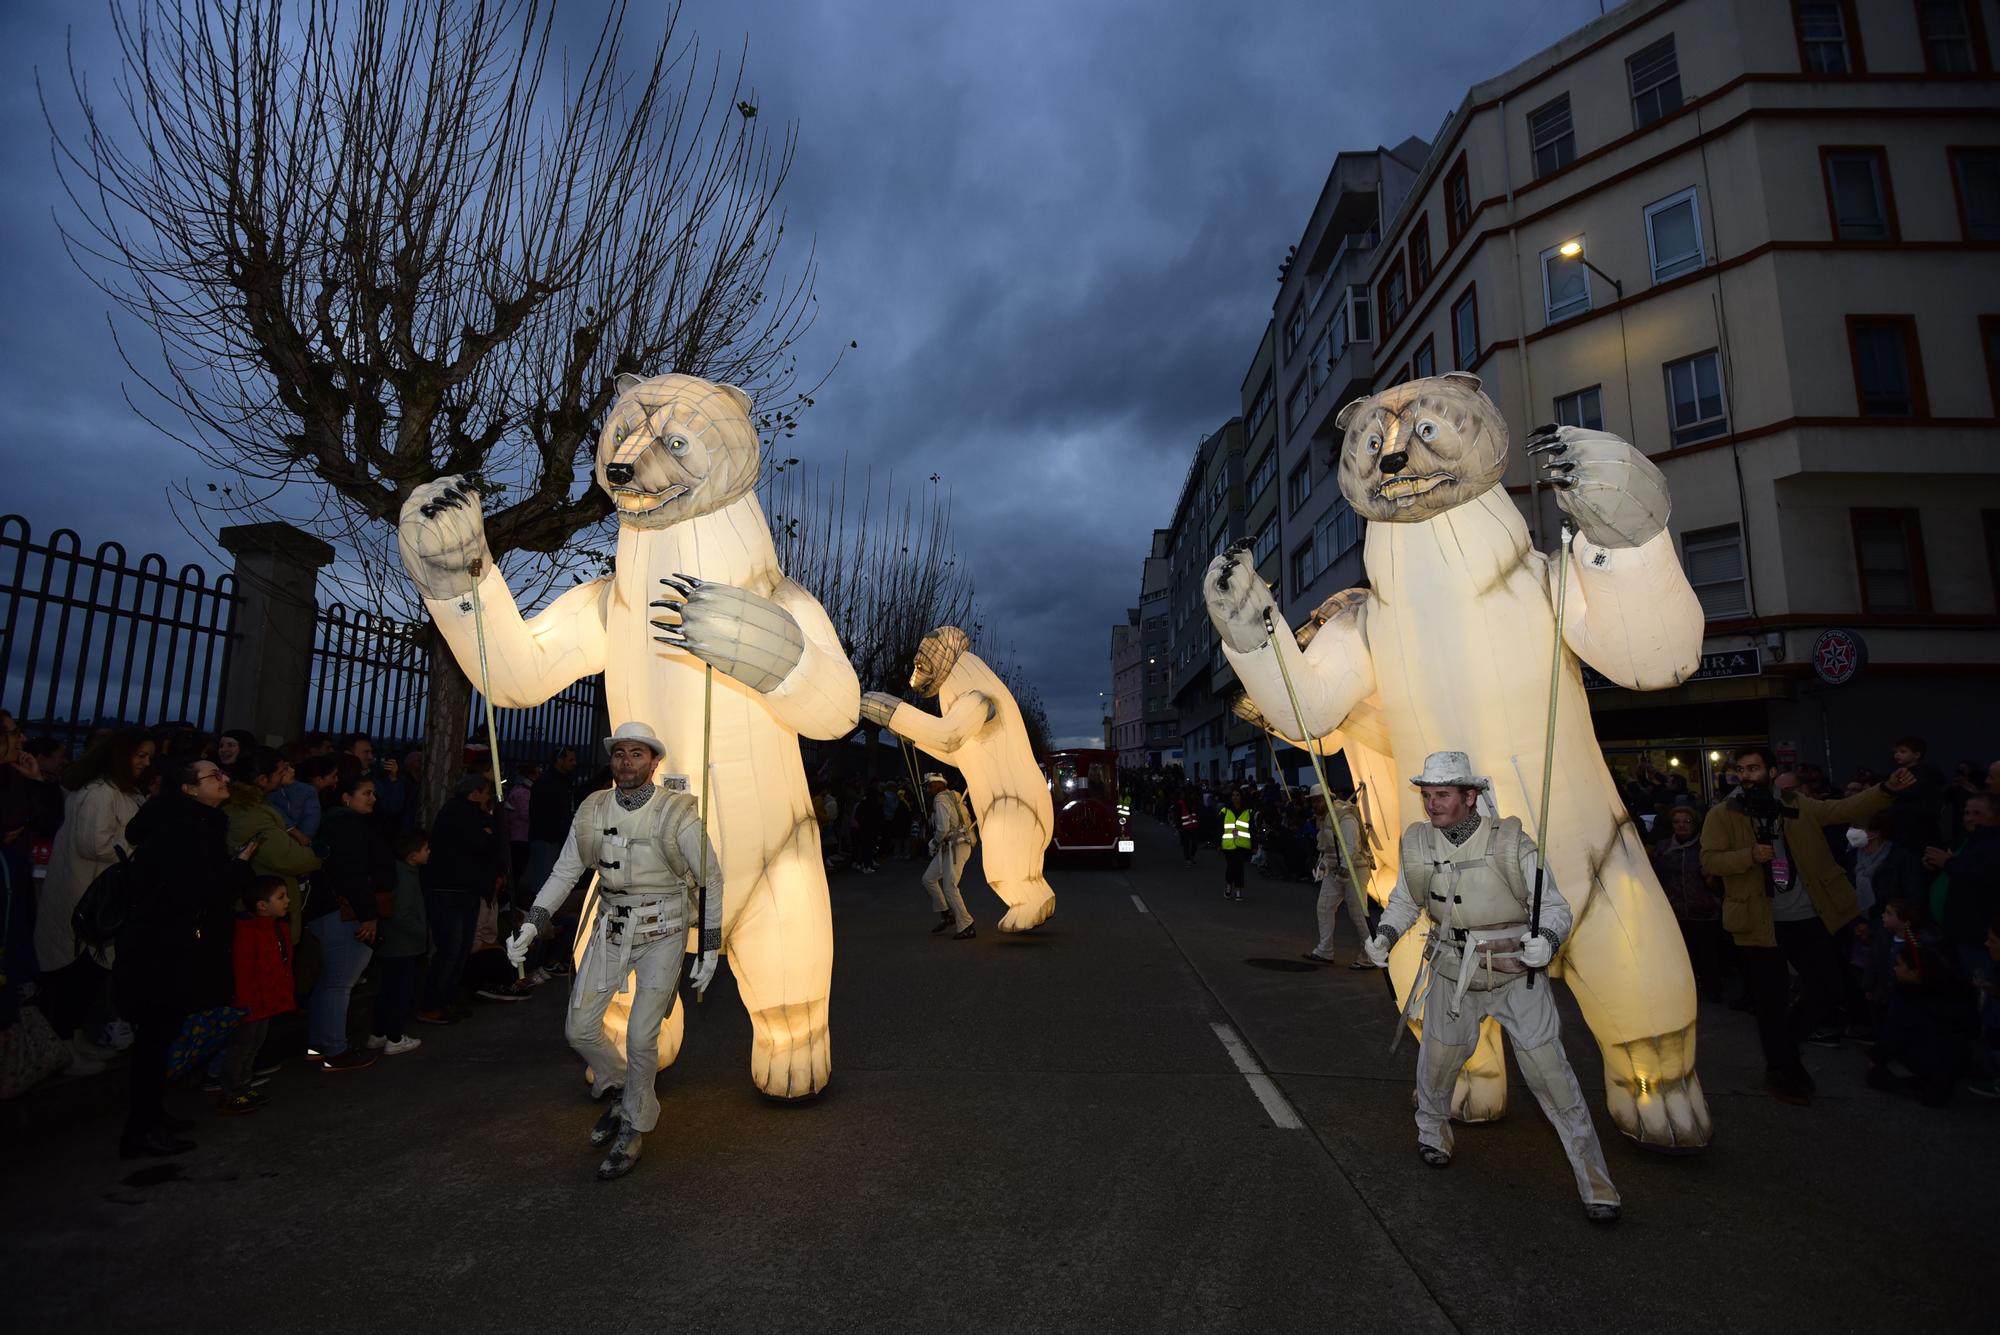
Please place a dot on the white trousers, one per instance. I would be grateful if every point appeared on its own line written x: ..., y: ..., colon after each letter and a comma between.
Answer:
x: 1336, y: 892
x: 941, y: 879
x: 655, y: 973
x: 1530, y: 1019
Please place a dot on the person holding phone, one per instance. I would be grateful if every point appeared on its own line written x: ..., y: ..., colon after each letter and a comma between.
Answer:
x: 174, y: 950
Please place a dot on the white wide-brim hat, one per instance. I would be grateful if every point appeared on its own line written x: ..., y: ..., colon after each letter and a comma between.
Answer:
x: 1450, y: 769
x: 635, y: 732
x: 936, y: 778
x: 1317, y: 790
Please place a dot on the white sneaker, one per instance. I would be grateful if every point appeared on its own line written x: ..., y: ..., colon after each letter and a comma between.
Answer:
x: 378, y: 1041
x: 400, y: 1046
x: 117, y: 1036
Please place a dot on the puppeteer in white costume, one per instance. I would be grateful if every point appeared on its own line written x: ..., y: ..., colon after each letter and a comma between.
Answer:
x: 696, y: 586
x: 1493, y: 919
x: 1454, y: 646
x: 951, y: 843
x: 659, y: 888
x: 980, y: 732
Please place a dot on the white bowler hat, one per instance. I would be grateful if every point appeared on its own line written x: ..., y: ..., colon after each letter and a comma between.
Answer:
x: 635, y: 732
x: 1449, y: 769
x: 935, y: 778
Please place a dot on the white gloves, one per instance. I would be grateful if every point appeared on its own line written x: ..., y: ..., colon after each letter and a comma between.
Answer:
x: 703, y: 971
x: 517, y: 944
x: 1536, y: 951
x: 1377, y: 950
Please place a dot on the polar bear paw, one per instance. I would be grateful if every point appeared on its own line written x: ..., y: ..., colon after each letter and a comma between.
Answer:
x: 1027, y: 917
x: 1658, y: 1106
x: 1480, y: 1093
x: 791, y: 1053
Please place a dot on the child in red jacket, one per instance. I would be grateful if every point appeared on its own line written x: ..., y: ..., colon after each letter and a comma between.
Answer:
x: 263, y: 987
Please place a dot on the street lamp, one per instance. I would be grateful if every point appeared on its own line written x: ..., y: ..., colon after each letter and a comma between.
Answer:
x: 1572, y: 249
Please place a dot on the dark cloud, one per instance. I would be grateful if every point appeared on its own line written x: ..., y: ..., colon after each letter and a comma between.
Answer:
x: 1053, y: 228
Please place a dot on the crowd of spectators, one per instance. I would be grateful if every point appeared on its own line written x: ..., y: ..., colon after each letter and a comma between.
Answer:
x: 1863, y: 913
x: 243, y: 882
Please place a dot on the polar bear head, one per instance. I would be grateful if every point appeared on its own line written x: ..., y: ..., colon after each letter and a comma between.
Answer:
x: 936, y: 657
x: 674, y: 447
x: 1420, y: 448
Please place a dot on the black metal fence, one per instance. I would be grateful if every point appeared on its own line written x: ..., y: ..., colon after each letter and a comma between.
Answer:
x: 371, y: 674
x: 91, y: 640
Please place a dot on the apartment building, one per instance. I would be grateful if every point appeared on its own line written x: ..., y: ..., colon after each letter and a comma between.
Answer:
x: 1260, y: 524
x: 1322, y: 357
x: 1128, y: 692
x: 1761, y: 240
x: 1163, y: 732
x: 1207, y: 518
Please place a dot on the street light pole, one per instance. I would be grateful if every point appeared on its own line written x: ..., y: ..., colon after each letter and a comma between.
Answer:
x: 1573, y: 250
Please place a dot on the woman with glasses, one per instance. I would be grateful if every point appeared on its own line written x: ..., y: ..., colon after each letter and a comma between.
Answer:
x: 174, y: 949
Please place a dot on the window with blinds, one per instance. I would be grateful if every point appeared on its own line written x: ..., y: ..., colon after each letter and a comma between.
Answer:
x: 1553, y: 136
x: 1655, y: 75
x: 1823, y: 45
x: 1585, y: 408
x: 1673, y: 235
x: 1713, y: 558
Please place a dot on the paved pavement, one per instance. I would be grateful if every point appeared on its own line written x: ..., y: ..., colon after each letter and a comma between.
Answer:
x: 1034, y: 1133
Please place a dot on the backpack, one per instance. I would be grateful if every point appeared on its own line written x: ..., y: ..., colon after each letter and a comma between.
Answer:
x: 101, y: 914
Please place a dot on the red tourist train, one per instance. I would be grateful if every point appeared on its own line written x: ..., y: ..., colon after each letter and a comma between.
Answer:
x: 1092, y: 816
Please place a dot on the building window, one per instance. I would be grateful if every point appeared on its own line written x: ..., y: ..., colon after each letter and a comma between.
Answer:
x: 1465, y: 330
x: 1402, y: 374
x: 1975, y: 172
x: 1655, y: 77
x: 1295, y: 404
x: 1295, y: 326
x: 1335, y: 535
x: 1888, y: 369
x: 1953, y: 42
x: 1694, y: 398
x: 1828, y: 43
x: 1553, y: 136
x: 1263, y: 475
x: 1302, y: 566
x: 1361, y: 330
x: 1991, y: 519
x: 1420, y: 254
x: 1266, y: 541
x: 1585, y: 408
x: 1857, y: 193
x: 1889, y: 555
x: 1565, y: 285
x: 1673, y: 235
x: 1298, y: 486
x: 1395, y: 297
x: 1260, y: 407
x: 1457, y: 202
x: 1713, y: 558
x: 1424, y: 363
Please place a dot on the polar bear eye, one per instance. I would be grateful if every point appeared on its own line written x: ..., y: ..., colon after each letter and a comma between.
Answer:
x: 1374, y: 441
x: 618, y: 436
x: 677, y: 444
x: 1427, y: 431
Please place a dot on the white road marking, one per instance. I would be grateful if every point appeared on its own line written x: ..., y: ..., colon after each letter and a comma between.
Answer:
x: 1260, y: 1084
x: 1140, y: 904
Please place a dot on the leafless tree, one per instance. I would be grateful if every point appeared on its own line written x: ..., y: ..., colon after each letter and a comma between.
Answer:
x: 378, y: 243
x: 887, y: 569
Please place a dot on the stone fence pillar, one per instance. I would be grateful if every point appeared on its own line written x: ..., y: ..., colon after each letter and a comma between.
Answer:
x: 270, y: 666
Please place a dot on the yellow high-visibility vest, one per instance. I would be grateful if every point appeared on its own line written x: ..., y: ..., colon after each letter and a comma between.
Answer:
x: 1235, y: 829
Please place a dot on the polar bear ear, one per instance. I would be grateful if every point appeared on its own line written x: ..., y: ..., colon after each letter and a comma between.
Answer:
x: 742, y: 400
x: 1346, y: 414
x: 624, y: 382
x: 1465, y: 378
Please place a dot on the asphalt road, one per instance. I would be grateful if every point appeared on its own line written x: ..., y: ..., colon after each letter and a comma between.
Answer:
x: 1022, y: 1134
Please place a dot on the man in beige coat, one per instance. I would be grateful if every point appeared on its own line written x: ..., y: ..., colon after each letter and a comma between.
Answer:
x: 1784, y: 899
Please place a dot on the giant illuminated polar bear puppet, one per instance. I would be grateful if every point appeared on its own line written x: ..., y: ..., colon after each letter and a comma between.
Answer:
x: 679, y: 458
x: 1449, y: 649
x: 979, y: 730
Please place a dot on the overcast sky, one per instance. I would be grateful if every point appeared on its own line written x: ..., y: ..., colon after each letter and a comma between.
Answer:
x: 1053, y: 228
